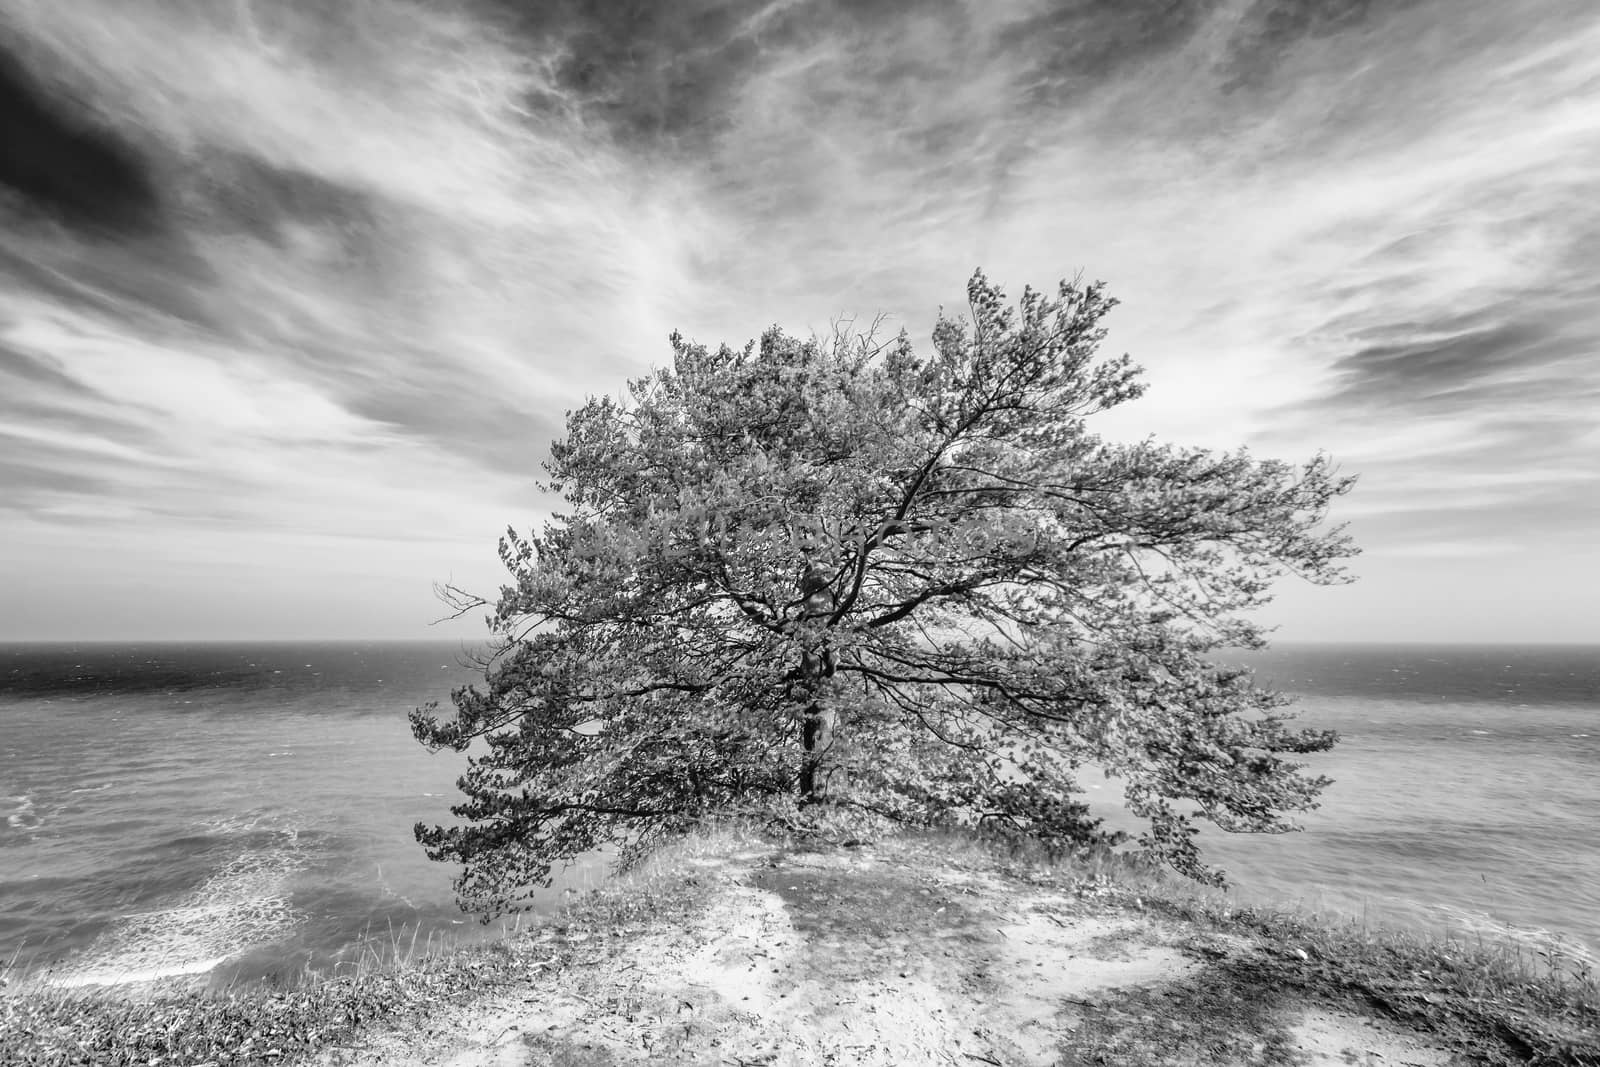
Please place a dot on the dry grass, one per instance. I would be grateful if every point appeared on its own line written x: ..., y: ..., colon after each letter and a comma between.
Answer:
x: 387, y: 978
x: 1496, y: 1002
x: 1499, y: 1001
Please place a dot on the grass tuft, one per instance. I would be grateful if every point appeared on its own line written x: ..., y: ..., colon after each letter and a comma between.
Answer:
x: 389, y: 978
x: 1497, y: 1002
x: 1500, y: 1001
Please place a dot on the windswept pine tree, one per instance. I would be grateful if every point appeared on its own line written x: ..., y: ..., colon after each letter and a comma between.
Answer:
x: 917, y: 585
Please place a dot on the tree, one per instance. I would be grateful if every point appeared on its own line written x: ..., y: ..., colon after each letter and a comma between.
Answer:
x: 840, y: 572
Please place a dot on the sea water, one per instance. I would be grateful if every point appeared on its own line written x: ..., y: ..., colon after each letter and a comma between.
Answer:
x: 234, y: 812
x: 1466, y: 788
x: 227, y: 811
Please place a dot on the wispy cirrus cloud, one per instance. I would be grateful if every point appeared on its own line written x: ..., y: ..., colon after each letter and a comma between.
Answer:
x: 294, y: 275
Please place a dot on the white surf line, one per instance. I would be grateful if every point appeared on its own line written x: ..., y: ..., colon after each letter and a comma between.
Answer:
x: 241, y: 906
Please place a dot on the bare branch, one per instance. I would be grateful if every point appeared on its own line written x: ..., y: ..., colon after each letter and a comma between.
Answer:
x: 458, y: 600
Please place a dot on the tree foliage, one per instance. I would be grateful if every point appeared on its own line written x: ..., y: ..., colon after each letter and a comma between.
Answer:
x: 917, y: 585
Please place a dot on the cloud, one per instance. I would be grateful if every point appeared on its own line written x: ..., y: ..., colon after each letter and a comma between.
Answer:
x: 341, y: 268
x: 84, y: 175
x: 365, y: 207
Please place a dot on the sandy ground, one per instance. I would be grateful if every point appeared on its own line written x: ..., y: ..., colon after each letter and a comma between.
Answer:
x: 863, y: 958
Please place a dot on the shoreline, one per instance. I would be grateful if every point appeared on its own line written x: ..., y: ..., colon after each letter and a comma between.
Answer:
x: 934, y: 948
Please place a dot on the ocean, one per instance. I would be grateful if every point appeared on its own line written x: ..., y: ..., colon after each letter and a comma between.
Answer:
x: 1465, y: 797
x: 223, y: 810
x: 238, y: 812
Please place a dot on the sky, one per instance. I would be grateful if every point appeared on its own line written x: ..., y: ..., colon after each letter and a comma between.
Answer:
x: 294, y: 295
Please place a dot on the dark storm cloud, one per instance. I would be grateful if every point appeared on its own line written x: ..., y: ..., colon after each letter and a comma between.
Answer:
x: 65, y: 163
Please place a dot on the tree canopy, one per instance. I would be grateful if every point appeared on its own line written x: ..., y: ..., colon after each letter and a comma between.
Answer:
x: 840, y: 571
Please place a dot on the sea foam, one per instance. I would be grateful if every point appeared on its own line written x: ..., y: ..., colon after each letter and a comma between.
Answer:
x: 22, y: 814
x: 244, y: 904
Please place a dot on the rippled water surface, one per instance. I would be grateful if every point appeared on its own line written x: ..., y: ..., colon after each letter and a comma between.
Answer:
x: 1466, y: 789
x: 237, y: 811
x: 232, y: 810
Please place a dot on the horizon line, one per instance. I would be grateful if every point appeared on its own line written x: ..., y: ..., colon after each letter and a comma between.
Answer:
x: 1425, y: 642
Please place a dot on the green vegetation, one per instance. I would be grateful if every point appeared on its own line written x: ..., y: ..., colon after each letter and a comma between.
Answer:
x: 915, y: 586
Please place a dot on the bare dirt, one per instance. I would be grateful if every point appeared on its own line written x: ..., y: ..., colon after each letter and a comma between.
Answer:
x: 883, y: 956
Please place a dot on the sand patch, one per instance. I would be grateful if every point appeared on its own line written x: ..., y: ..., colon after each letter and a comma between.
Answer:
x: 852, y: 958
x: 1336, y: 1039
x: 1052, y: 964
x: 750, y: 947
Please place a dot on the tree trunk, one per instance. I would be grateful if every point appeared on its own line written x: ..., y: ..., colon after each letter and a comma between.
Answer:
x: 816, y: 667
x: 816, y: 736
